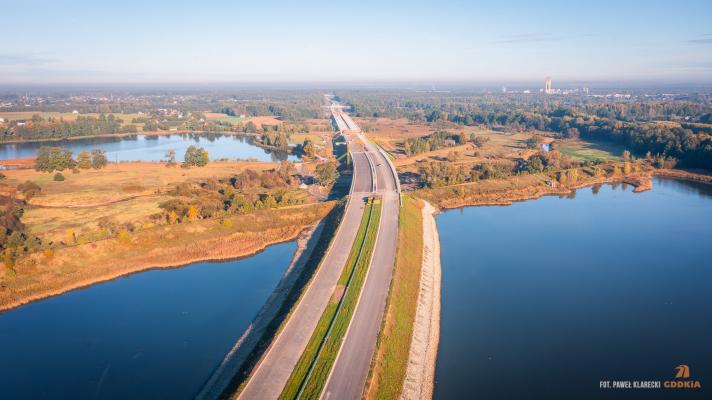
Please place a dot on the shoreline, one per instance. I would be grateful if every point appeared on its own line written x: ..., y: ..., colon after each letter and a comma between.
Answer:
x: 238, y: 254
x: 244, y: 346
x: 105, y: 135
x: 27, y: 161
x: 419, y: 379
x: 641, y: 182
x: 420, y: 374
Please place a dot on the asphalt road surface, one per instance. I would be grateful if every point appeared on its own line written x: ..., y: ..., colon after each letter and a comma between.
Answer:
x: 349, y: 373
x: 276, y: 365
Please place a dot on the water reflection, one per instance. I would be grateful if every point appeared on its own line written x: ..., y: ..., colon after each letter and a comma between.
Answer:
x: 545, y: 298
x: 152, y: 335
x: 153, y: 147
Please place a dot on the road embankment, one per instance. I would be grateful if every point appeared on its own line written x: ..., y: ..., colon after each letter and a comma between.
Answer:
x: 245, y: 346
x: 420, y: 373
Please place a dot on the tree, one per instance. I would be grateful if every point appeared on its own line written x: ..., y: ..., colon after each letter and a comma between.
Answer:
x: 326, y: 173
x: 51, y: 159
x: 98, y: 159
x: 533, y: 142
x: 250, y: 127
x: 308, y: 148
x: 626, y: 168
x: 170, y: 158
x: 196, y: 156
x: 286, y: 168
x: 192, y: 213
x: 269, y: 202
x: 29, y: 189
x: 84, y: 160
x: 172, y: 217
x: 626, y: 155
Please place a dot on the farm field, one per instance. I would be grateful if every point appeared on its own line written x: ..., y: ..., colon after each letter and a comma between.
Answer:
x: 591, y: 151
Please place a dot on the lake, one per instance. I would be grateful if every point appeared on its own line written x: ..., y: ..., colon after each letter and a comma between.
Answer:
x: 152, y: 335
x: 546, y: 298
x: 153, y: 147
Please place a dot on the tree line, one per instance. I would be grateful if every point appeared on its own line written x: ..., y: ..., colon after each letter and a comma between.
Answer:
x: 633, y: 124
x: 51, y: 128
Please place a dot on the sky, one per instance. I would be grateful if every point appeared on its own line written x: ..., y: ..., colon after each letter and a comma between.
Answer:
x: 62, y: 41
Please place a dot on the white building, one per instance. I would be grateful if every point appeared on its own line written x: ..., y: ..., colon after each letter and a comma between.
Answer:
x: 547, y: 86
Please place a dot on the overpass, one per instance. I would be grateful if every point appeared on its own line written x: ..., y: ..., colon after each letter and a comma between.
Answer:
x: 373, y: 175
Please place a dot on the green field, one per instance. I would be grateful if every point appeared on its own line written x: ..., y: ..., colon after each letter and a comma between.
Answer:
x: 312, y: 369
x: 592, y: 151
x: 223, y: 118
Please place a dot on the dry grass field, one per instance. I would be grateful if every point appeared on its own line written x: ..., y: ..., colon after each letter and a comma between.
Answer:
x: 385, y: 128
x: 258, y: 121
x: 265, y: 120
x: 126, y: 192
x: 42, y: 275
x: 499, y: 146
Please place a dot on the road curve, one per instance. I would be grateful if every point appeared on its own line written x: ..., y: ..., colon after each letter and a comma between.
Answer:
x: 276, y: 365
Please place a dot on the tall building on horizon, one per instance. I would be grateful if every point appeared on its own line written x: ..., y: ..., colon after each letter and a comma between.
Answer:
x: 547, y: 85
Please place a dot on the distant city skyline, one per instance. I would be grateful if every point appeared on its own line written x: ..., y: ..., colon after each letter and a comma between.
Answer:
x: 64, y: 42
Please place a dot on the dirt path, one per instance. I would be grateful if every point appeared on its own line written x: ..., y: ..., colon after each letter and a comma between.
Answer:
x: 420, y: 373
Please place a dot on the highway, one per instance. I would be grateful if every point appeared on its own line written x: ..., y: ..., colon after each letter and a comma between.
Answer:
x: 350, y: 371
x: 274, y: 368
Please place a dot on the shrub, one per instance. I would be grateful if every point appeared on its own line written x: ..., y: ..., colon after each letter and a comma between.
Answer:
x: 29, y: 189
x: 326, y: 173
x: 123, y: 235
x: 58, y: 177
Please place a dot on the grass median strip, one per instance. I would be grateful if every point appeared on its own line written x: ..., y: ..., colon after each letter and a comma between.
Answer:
x: 391, y: 359
x: 309, y: 375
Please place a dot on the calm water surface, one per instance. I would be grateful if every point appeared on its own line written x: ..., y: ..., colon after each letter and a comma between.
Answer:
x: 153, y: 335
x: 153, y: 148
x: 545, y: 298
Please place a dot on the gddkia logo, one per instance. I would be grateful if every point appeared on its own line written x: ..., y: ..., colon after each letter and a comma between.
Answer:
x: 682, y: 379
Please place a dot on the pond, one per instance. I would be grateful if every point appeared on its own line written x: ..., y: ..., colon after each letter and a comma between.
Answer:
x: 154, y: 147
x: 546, y: 298
x: 152, y: 335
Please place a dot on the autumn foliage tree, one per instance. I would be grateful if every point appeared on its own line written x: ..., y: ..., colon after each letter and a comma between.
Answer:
x: 196, y: 157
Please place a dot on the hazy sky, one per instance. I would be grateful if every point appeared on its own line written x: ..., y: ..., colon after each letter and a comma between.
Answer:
x: 44, y: 41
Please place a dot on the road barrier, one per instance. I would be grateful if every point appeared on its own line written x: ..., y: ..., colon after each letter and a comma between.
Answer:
x: 395, y: 173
